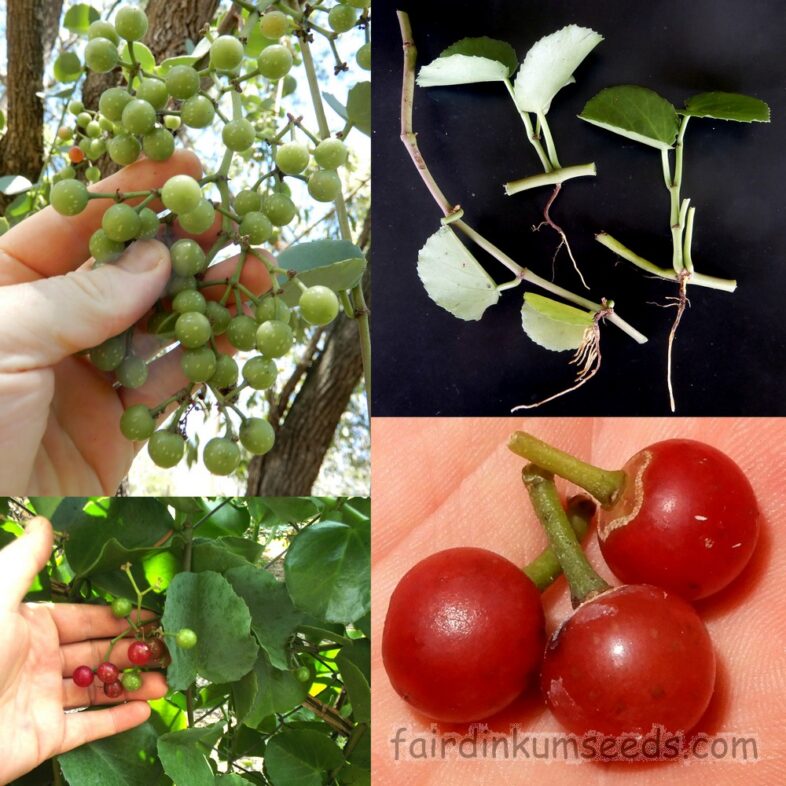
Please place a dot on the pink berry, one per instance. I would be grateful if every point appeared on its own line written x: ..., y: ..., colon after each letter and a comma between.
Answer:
x: 83, y: 676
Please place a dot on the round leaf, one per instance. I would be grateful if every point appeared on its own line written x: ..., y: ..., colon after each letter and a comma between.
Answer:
x: 554, y: 325
x: 328, y: 571
x: 68, y: 67
x: 79, y: 17
x: 301, y: 757
x: 453, y: 278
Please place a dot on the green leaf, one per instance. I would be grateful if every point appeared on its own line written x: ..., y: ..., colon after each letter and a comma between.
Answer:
x: 355, y: 665
x: 68, y: 67
x: 20, y: 207
x: 469, y: 61
x: 142, y: 54
x: 186, y: 754
x: 328, y: 571
x: 79, y: 17
x: 227, y: 519
x: 637, y: 113
x: 453, y: 278
x: 301, y: 758
x: 215, y: 555
x: 128, y: 530
x: 226, y: 649
x: 166, y: 716
x: 359, y: 107
x: 230, y: 779
x: 318, y: 253
x: 728, y: 106
x: 46, y: 506
x: 11, y: 185
x: 549, y: 66
x: 364, y: 625
x: 292, y: 509
x: 127, y: 759
x: 273, y: 617
x: 266, y: 690
x: 554, y: 325
x: 338, y: 276
x: 336, y: 105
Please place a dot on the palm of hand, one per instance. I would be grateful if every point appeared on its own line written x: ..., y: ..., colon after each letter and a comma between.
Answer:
x: 440, y: 484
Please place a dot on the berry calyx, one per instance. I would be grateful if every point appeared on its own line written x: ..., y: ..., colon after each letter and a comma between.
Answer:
x: 122, y: 607
x: 186, y: 639
x: 83, y: 676
x: 139, y: 653
x: 463, y: 635
x: 107, y: 673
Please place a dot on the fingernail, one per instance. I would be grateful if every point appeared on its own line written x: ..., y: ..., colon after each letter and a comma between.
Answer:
x: 141, y: 257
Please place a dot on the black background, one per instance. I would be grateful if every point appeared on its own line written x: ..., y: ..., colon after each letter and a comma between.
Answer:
x: 729, y: 354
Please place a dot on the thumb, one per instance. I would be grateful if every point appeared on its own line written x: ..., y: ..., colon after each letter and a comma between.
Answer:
x: 45, y: 321
x: 22, y: 559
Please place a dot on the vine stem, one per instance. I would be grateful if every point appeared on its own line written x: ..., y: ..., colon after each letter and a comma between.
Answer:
x: 409, y: 139
x: 584, y: 582
x: 552, y: 178
x: 360, y: 308
x: 699, y: 279
x: 534, y: 139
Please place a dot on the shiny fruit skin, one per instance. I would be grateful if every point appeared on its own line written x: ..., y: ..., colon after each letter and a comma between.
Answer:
x: 697, y: 525
x: 630, y: 658
x: 463, y: 635
x: 139, y: 653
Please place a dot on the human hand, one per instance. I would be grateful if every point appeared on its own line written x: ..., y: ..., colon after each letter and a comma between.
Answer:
x: 59, y: 415
x: 40, y: 646
x: 442, y: 483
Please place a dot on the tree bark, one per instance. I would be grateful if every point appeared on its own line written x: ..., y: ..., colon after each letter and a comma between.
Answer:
x: 22, y: 147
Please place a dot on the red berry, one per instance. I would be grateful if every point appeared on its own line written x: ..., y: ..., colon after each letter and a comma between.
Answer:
x: 83, y: 676
x: 630, y: 658
x: 158, y: 648
x: 463, y: 634
x: 108, y: 673
x: 139, y: 653
x: 76, y: 156
x: 687, y: 520
x: 113, y: 689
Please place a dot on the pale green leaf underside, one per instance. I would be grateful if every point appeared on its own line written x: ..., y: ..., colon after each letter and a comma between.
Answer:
x: 549, y: 66
x: 728, y: 106
x: 453, y: 278
x: 552, y: 324
x: 461, y: 70
x: 488, y: 48
x: 637, y: 113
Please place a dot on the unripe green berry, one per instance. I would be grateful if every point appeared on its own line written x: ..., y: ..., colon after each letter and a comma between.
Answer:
x: 166, y: 449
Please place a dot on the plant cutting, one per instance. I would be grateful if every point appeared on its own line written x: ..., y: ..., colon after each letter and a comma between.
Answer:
x: 642, y: 115
x: 680, y: 514
x: 451, y: 275
x: 464, y: 630
x: 629, y: 659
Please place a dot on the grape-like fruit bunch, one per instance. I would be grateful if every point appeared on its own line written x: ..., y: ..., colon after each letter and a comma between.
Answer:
x: 199, y: 218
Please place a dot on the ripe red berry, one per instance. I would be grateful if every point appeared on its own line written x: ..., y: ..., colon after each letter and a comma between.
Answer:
x: 630, y: 658
x: 687, y: 520
x: 107, y: 673
x: 158, y: 649
x: 83, y: 676
x: 463, y: 634
x: 113, y: 689
x: 139, y: 653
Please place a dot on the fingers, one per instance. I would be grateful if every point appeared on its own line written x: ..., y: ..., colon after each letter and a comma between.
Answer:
x: 21, y: 561
x: 48, y: 244
x: 84, y: 727
x: 153, y: 687
x: 82, y: 623
x: 48, y: 320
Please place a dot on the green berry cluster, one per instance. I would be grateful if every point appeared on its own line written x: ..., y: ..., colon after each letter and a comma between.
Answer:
x: 209, y: 322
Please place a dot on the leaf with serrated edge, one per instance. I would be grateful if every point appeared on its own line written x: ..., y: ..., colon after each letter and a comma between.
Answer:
x: 554, y: 325
x: 637, y: 113
x: 469, y: 61
x: 728, y: 106
x: 453, y: 278
x: 549, y: 66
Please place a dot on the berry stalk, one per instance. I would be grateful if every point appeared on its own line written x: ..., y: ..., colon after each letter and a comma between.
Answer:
x: 603, y: 484
x: 584, y: 582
